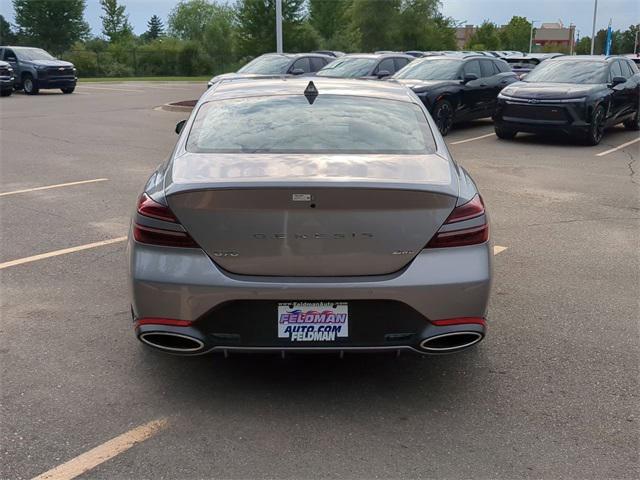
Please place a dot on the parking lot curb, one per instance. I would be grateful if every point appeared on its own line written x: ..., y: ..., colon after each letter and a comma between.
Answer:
x: 182, y: 106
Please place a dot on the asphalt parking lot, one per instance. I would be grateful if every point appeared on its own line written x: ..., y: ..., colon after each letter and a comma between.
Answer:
x: 551, y: 393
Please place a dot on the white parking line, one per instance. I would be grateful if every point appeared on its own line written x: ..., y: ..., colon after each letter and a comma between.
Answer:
x: 100, y: 454
x: 55, y: 253
x: 167, y: 87
x: 498, y: 249
x: 607, y: 152
x: 112, y: 89
x: 35, y: 189
x: 472, y: 139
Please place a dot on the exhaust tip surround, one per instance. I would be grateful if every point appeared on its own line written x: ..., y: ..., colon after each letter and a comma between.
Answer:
x: 451, y: 342
x: 172, y: 342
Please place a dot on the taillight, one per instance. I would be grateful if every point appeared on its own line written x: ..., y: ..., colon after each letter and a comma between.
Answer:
x: 153, y: 209
x: 148, y: 207
x: 465, y: 235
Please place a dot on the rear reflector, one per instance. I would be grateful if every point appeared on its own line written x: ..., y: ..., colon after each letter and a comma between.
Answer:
x: 464, y: 236
x: 460, y: 321
x: 148, y: 207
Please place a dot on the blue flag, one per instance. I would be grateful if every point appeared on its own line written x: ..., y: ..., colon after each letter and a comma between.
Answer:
x: 607, y: 47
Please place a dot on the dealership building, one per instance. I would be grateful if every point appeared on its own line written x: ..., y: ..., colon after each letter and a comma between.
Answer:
x: 546, y: 33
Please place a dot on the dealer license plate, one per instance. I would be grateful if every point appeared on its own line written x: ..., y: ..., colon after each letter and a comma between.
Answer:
x: 313, y: 321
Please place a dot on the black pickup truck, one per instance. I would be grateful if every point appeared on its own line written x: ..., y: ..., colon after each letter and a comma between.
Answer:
x: 34, y: 69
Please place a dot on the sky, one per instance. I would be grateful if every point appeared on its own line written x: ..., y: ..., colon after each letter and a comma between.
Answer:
x: 580, y: 12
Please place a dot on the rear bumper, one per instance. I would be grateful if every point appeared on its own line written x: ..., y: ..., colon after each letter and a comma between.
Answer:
x: 239, y: 312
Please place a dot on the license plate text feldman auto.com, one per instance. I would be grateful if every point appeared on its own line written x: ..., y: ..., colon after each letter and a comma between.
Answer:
x: 313, y: 321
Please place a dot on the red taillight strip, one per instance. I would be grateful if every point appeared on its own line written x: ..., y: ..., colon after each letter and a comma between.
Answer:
x: 460, y: 238
x: 167, y: 238
x: 163, y: 321
x: 460, y: 321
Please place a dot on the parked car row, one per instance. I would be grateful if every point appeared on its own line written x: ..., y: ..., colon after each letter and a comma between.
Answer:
x: 34, y: 69
x: 577, y: 95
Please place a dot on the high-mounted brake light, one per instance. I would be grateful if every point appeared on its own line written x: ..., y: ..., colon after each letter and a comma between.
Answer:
x: 465, y: 235
x: 148, y: 207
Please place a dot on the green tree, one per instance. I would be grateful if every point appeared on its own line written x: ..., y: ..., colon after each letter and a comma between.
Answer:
x: 51, y: 24
x: 376, y: 23
x: 486, y: 37
x: 115, y: 22
x: 7, y: 35
x: 155, y: 28
x: 516, y: 34
x: 424, y: 28
x: 329, y: 18
x: 189, y: 19
x: 624, y: 42
x: 256, y: 27
x: 583, y: 46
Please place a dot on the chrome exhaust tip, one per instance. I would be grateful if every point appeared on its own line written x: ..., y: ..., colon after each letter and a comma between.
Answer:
x: 172, y: 342
x: 451, y: 342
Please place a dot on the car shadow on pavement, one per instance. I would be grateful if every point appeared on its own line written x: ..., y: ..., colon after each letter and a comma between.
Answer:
x: 312, y: 380
x: 612, y: 136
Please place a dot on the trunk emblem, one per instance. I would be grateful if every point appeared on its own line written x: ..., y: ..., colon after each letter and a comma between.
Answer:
x: 301, y: 197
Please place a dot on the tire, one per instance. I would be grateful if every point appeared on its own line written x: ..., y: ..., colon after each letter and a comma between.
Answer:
x: 6, y: 93
x: 596, y: 128
x: 68, y: 89
x: 30, y: 85
x: 505, y: 133
x: 633, y: 123
x: 443, y: 115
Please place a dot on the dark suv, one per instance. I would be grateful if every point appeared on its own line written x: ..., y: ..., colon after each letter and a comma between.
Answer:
x: 35, y: 69
x: 578, y: 95
x: 457, y: 88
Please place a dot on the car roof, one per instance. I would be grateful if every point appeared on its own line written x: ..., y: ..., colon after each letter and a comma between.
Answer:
x: 295, y: 55
x: 459, y: 58
x: 20, y: 46
x: 377, y: 55
x: 241, y: 88
x: 592, y: 58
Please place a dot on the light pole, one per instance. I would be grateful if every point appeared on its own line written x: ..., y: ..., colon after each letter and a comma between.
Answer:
x: 593, y: 30
x: 531, y: 35
x: 279, y: 26
x: 571, y: 37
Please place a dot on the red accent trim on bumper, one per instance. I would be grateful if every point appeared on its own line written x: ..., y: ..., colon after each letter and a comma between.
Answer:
x: 163, y: 321
x: 460, y: 321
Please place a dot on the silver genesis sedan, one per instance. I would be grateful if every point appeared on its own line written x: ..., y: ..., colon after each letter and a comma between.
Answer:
x: 309, y: 216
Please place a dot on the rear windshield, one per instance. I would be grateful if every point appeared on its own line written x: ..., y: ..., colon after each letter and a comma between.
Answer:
x: 569, y: 71
x: 431, y: 70
x: 289, y: 124
x: 350, y: 67
x: 267, y: 65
